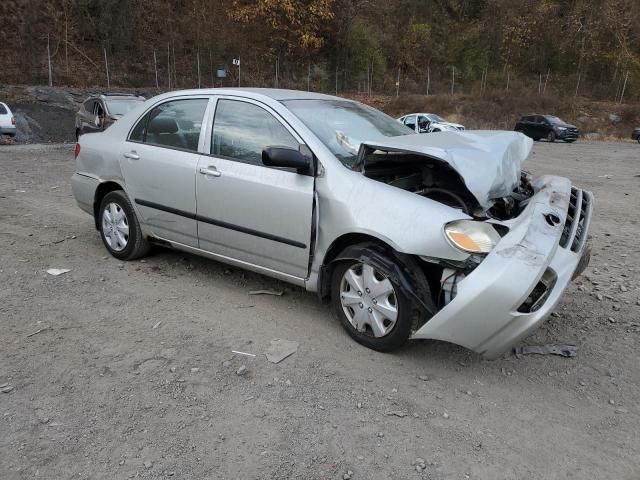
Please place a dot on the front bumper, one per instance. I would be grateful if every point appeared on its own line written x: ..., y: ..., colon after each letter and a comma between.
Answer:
x: 545, y: 248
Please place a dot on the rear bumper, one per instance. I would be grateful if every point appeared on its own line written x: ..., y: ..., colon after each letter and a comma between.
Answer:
x: 8, y: 130
x: 521, y: 281
x: 84, y: 190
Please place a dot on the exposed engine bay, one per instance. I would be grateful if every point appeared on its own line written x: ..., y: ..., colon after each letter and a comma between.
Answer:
x: 437, y: 180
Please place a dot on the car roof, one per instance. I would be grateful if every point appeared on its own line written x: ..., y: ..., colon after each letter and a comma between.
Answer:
x: 418, y: 113
x: 277, y: 94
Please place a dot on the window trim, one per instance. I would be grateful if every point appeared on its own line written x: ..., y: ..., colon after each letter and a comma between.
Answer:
x: 265, y: 107
x: 203, y: 127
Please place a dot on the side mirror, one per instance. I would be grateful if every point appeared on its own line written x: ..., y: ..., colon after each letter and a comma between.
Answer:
x: 285, y: 157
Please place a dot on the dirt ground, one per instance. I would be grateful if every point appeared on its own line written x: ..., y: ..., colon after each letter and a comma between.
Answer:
x: 125, y: 370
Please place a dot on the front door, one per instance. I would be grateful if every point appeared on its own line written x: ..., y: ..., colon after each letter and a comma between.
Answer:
x: 246, y: 211
x: 159, y: 162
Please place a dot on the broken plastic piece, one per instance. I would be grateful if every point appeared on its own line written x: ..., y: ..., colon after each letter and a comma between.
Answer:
x: 58, y: 271
x: 280, y: 349
x: 561, y: 349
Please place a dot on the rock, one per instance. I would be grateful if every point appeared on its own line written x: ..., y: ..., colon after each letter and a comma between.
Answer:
x: 621, y: 410
x: 172, y: 369
x: 148, y: 464
x: 623, y: 288
x: 195, y: 370
x: 445, y: 415
x: 424, y: 378
x: 615, y: 118
x: 7, y: 389
x: 555, y: 314
x: 599, y: 296
x: 242, y: 370
x: 394, y: 390
x: 583, y: 384
x: 418, y: 469
x: 360, y: 457
x: 121, y: 462
x: 347, y: 475
x: 612, y: 401
x: 419, y: 461
x: 380, y: 435
x: 611, y: 319
x: 358, y: 405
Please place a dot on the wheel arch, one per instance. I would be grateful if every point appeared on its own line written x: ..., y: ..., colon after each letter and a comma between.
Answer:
x: 101, y: 191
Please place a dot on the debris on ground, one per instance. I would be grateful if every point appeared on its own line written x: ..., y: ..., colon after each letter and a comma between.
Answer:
x: 242, y: 370
x: 156, y: 325
x: 7, y: 389
x: 280, y: 349
x: 37, y: 331
x: 559, y: 349
x: 243, y: 353
x: 397, y: 413
x: 277, y: 293
x: 58, y: 271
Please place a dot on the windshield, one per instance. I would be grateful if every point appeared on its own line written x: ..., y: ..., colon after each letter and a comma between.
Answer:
x: 122, y: 106
x: 343, y: 125
x: 435, y: 118
x: 554, y: 120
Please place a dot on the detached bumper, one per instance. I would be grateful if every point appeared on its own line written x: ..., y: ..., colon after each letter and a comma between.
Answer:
x: 520, y: 282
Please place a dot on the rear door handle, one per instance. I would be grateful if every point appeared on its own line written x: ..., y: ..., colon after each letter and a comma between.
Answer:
x: 132, y: 156
x: 210, y: 170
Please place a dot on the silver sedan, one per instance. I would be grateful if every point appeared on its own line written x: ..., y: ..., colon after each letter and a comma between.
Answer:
x: 411, y: 236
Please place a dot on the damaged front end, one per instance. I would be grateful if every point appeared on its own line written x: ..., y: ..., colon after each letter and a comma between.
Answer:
x: 525, y: 239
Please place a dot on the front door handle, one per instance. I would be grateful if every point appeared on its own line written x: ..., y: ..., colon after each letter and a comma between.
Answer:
x: 210, y: 170
x: 131, y: 156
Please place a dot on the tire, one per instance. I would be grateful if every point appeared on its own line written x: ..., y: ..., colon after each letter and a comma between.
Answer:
x: 536, y: 139
x: 551, y: 136
x: 375, y: 329
x: 638, y: 139
x: 121, y: 236
x: 435, y: 130
x: 77, y: 134
x: 569, y: 141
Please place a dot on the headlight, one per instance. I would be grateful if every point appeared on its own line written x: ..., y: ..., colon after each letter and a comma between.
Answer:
x: 472, y: 236
x: 562, y: 129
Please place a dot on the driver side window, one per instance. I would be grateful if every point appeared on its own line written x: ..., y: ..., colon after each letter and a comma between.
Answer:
x: 242, y: 130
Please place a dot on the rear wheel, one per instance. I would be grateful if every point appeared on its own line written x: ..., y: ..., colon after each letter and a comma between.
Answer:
x: 119, y: 227
x: 371, y: 305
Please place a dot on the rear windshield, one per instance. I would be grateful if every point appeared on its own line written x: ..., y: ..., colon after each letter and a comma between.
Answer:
x: 122, y: 106
x: 3, y: 109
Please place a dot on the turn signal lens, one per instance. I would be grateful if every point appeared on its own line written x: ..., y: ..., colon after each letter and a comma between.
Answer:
x: 76, y: 151
x: 471, y: 236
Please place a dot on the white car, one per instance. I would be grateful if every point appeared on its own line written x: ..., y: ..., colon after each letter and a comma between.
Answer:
x: 428, y: 123
x: 7, y: 121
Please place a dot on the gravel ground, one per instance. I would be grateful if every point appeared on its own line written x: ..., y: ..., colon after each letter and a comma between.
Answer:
x: 123, y: 370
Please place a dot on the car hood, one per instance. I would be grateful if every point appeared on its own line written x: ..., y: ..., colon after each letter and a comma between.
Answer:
x: 489, y: 162
x: 565, y: 125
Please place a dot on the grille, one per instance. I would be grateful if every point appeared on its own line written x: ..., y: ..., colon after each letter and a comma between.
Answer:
x: 571, y: 134
x: 575, y: 228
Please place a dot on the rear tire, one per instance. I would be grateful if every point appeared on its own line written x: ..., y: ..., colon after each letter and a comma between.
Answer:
x: 119, y: 227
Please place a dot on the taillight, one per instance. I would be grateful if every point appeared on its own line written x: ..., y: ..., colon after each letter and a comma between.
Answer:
x: 77, y: 151
x: 13, y: 120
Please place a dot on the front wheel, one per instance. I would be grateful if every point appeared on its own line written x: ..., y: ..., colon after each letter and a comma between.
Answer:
x: 371, y: 306
x: 119, y: 227
x: 551, y: 136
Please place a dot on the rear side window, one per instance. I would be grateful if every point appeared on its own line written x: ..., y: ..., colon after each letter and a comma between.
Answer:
x: 3, y: 109
x: 242, y: 130
x: 175, y: 124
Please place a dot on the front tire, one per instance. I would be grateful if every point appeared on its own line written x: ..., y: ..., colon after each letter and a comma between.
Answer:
x: 119, y: 227
x: 551, y: 136
x: 371, y: 306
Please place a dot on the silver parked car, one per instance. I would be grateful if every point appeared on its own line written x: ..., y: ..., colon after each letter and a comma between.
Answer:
x: 412, y: 236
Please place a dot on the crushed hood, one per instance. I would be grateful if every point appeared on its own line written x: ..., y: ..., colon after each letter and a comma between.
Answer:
x: 489, y: 162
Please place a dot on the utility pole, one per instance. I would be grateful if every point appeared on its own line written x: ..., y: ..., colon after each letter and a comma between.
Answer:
x: 169, y: 62
x: 198, y: 63
x: 428, y: 79
x: 453, y: 79
x: 49, y: 58
x: 106, y: 66
x: 155, y: 66
x: 624, y: 85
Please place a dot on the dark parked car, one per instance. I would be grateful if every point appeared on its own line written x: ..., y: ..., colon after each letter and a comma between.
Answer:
x: 99, y: 111
x: 636, y: 134
x: 548, y: 127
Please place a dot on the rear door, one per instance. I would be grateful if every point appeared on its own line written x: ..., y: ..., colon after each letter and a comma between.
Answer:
x: 258, y: 215
x: 159, y: 162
